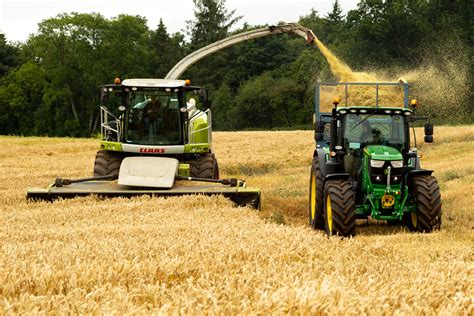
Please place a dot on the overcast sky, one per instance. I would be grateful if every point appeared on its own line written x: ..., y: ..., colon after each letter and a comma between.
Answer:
x: 20, y: 18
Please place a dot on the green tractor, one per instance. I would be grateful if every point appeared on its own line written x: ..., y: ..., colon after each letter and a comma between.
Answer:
x: 156, y: 117
x: 364, y: 166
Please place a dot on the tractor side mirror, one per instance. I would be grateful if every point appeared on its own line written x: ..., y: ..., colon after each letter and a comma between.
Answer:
x: 428, y: 129
x: 319, y: 130
x: 428, y: 133
x: 319, y: 126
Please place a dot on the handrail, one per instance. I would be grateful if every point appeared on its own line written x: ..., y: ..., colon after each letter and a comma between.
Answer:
x: 104, y: 123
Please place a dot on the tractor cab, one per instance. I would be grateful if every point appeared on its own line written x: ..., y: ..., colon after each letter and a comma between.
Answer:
x: 363, y: 146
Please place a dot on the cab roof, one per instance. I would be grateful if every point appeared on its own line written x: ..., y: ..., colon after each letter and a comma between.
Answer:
x: 154, y: 83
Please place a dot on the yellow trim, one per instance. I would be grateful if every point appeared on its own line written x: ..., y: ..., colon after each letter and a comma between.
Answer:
x: 414, y: 219
x: 329, y: 213
x: 313, y: 196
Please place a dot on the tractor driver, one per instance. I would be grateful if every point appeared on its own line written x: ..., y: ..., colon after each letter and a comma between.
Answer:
x: 370, y: 135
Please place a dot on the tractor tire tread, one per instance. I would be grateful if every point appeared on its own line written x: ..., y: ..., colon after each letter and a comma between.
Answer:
x: 107, y: 163
x: 342, y: 205
x: 428, y: 200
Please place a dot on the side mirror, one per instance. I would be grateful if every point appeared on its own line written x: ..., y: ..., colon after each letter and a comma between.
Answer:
x: 104, y: 95
x: 429, y: 129
x: 203, y: 96
x: 428, y: 133
x: 319, y: 128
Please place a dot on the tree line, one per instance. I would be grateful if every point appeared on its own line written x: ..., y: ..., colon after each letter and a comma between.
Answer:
x: 48, y: 85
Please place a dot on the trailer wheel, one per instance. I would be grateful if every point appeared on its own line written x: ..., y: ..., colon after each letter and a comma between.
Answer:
x: 339, y: 211
x: 316, y: 217
x: 107, y: 163
x: 205, y: 166
x: 427, y: 198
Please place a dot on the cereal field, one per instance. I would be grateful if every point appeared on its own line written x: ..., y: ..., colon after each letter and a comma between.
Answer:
x: 196, y: 255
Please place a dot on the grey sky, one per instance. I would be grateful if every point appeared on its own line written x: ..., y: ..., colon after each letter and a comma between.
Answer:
x: 19, y: 18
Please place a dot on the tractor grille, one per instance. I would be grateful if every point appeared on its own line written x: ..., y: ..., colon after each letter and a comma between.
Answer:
x: 378, y: 175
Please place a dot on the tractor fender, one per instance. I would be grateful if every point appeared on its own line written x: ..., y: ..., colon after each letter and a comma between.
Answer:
x: 337, y: 176
x: 421, y: 172
x: 321, y: 154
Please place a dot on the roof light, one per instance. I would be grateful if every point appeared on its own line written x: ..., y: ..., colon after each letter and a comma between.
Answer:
x: 407, y: 113
x: 414, y: 103
x: 336, y: 101
x: 117, y: 80
x: 397, y: 112
x: 388, y: 111
x: 363, y: 111
x: 353, y: 111
x: 342, y: 111
x: 187, y: 82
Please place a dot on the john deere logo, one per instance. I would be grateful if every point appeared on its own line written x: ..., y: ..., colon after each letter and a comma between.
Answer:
x: 387, y: 201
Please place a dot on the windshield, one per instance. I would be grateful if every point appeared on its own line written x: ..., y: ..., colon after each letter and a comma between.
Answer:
x: 153, y: 118
x: 371, y: 129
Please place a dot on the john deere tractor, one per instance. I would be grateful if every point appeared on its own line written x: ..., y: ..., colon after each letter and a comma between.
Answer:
x: 364, y: 164
x: 156, y: 117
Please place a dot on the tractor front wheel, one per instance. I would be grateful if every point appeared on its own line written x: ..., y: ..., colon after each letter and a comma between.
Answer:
x: 205, y: 167
x: 316, y: 217
x: 428, y: 204
x: 107, y: 163
x: 339, y: 211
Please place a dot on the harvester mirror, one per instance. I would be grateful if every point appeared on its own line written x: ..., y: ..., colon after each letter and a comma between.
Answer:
x: 104, y: 95
x: 428, y: 138
x: 203, y: 96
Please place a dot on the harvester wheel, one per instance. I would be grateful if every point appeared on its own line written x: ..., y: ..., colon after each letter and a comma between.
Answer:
x: 339, y: 211
x: 316, y: 217
x: 428, y: 202
x: 107, y: 163
x: 205, y: 167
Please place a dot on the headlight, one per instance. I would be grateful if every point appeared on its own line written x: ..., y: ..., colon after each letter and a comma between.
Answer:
x: 377, y: 163
x: 397, y: 163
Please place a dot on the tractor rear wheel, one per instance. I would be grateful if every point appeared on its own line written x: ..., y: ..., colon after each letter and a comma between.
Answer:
x: 428, y: 204
x: 204, y: 167
x: 107, y: 163
x: 316, y: 217
x: 339, y: 211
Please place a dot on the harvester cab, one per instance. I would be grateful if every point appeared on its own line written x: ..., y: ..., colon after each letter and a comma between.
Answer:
x: 156, y: 117
x: 156, y: 139
x: 364, y: 164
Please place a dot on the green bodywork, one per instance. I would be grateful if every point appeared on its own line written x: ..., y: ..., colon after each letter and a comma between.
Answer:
x: 375, y: 192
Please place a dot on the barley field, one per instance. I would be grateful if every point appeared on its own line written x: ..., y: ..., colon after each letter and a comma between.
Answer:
x: 201, y: 255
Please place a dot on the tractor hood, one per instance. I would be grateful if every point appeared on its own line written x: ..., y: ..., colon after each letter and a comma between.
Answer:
x: 379, y: 152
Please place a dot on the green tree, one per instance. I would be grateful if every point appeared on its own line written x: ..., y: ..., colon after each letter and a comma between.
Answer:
x: 333, y: 24
x: 9, y: 56
x: 165, y: 50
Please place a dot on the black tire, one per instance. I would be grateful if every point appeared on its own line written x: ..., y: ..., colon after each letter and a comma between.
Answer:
x: 315, y: 211
x: 339, y: 211
x: 205, y: 166
x: 107, y: 163
x: 428, y: 204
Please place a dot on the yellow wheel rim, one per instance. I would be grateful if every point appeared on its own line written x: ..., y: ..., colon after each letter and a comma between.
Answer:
x: 329, y: 214
x: 313, y: 196
x: 414, y: 219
